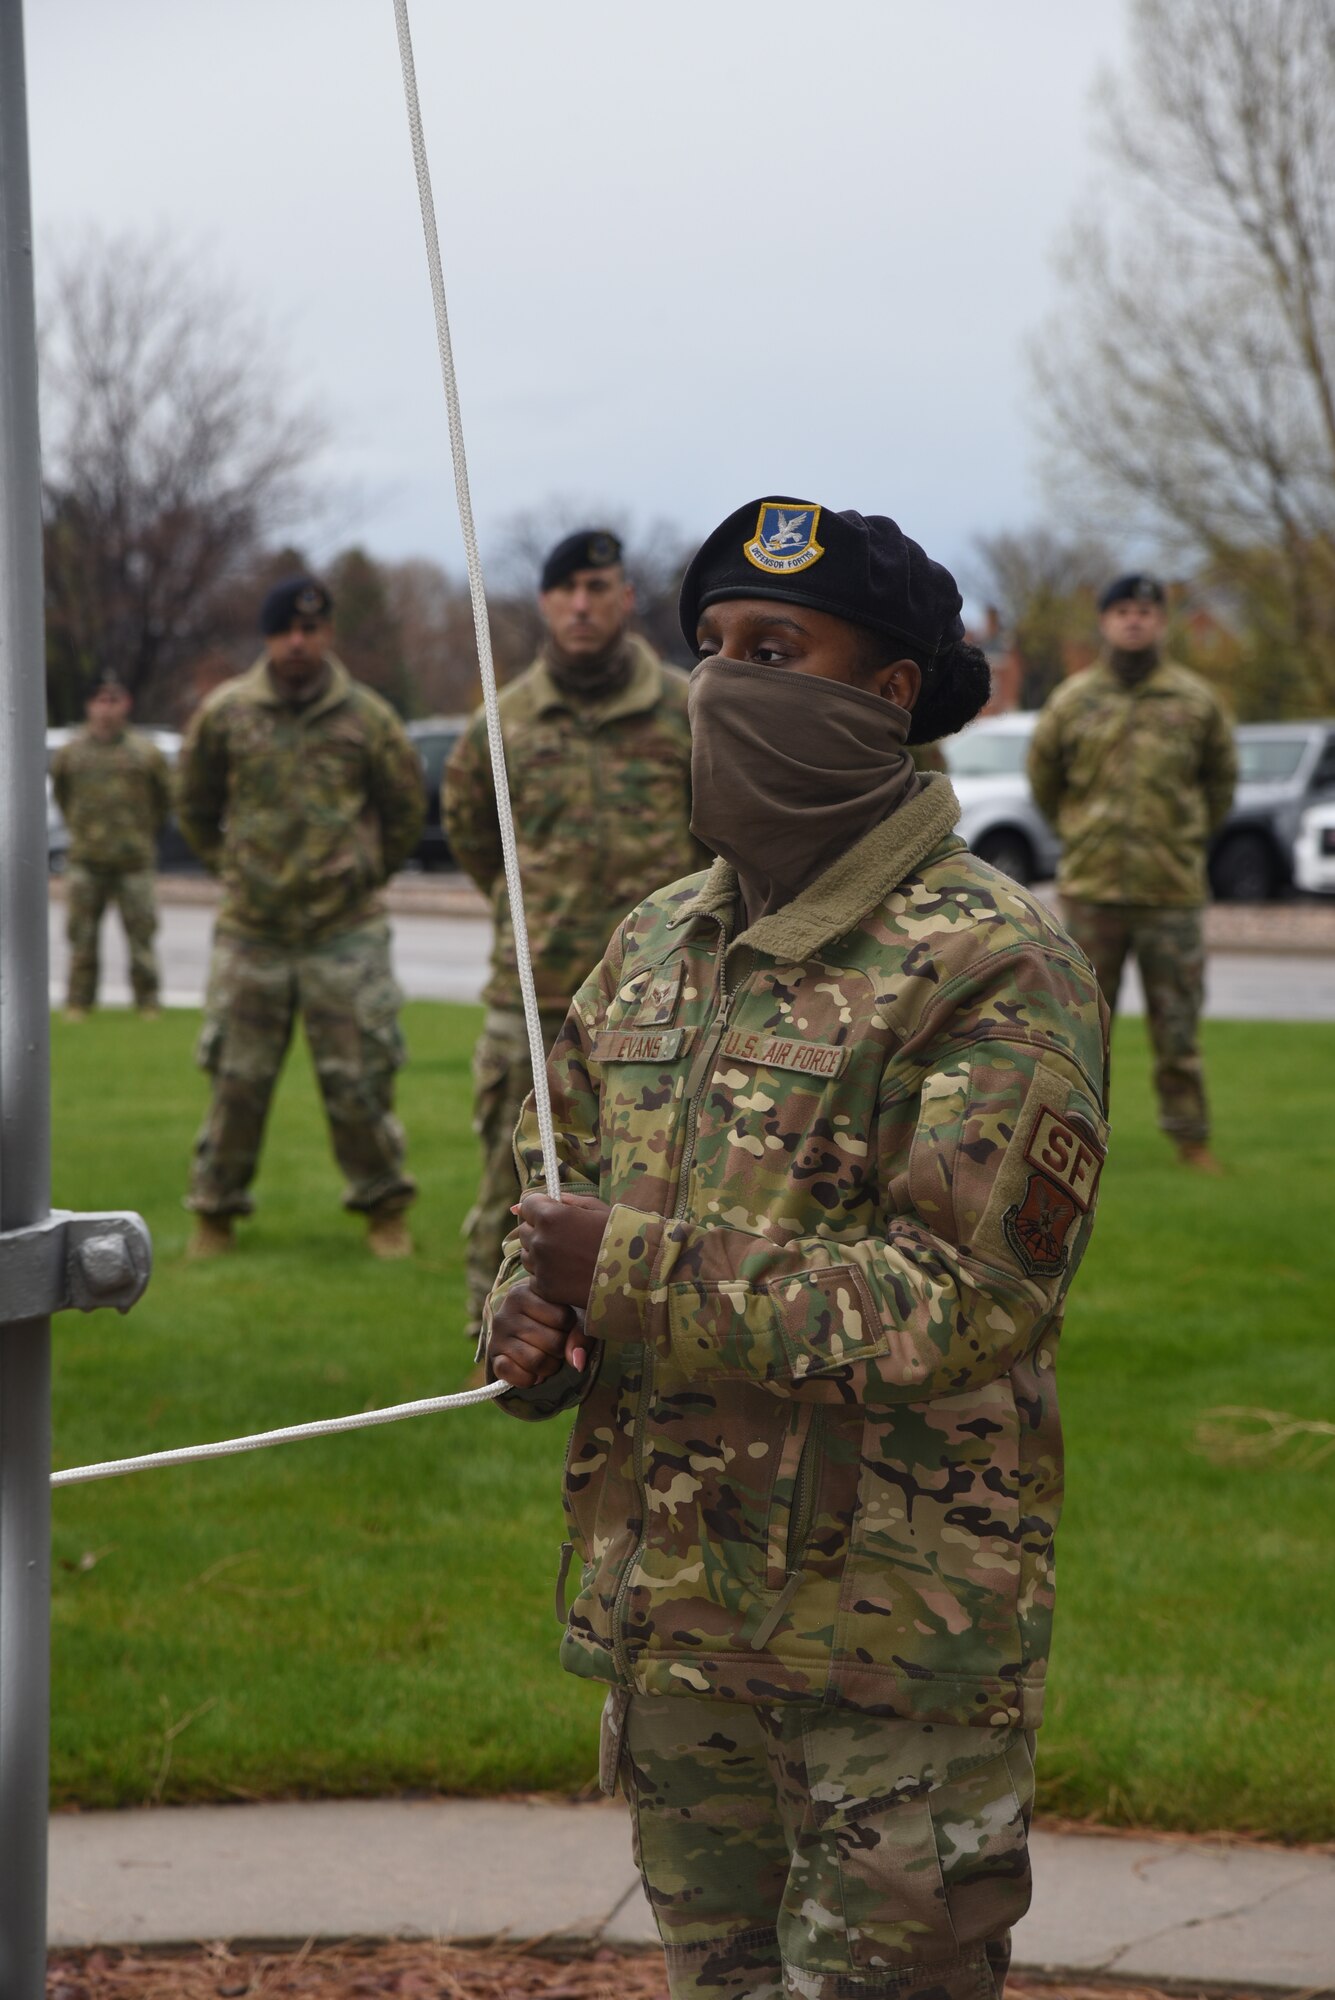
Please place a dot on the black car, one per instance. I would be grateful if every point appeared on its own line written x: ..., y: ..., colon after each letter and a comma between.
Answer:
x: 1283, y: 767
x: 434, y: 739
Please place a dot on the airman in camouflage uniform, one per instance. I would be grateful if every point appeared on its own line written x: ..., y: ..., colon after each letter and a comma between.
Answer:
x: 831, y: 1169
x: 301, y: 790
x: 112, y: 786
x: 1134, y: 763
x: 597, y: 749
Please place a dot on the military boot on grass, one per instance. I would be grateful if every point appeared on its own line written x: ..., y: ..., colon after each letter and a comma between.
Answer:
x: 387, y: 1236
x: 75, y: 1014
x: 212, y: 1236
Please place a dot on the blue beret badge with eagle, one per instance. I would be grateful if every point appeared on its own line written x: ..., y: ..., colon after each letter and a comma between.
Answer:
x: 785, y: 538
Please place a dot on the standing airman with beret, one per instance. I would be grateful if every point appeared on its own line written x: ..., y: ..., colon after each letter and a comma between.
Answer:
x: 597, y: 749
x: 301, y: 790
x: 1134, y: 763
x: 112, y: 786
x: 831, y: 1119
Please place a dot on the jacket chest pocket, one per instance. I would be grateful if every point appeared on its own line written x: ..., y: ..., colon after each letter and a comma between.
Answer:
x: 333, y: 766
x: 793, y: 1091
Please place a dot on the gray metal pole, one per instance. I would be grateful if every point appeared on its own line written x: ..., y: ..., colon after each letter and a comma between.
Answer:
x: 25, y: 1140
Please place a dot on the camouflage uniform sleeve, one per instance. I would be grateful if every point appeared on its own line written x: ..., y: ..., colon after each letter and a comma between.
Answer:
x: 468, y: 808
x: 989, y: 1169
x: 1046, y: 763
x: 1219, y: 767
x: 201, y: 790
x: 395, y: 789
x: 60, y: 779
x: 576, y: 1117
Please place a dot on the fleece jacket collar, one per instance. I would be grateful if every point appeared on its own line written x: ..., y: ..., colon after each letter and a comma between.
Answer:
x: 257, y: 685
x: 849, y: 890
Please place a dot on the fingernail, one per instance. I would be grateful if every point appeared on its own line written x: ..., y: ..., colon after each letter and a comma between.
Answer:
x: 577, y: 1360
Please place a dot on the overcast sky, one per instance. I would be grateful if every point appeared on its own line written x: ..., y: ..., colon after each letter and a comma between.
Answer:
x: 694, y: 251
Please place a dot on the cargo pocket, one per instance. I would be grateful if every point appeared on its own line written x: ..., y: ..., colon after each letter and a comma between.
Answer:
x: 926, y: 1874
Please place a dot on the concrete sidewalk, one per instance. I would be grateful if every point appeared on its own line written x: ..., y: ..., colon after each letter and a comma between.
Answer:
x: 1195, y: 1911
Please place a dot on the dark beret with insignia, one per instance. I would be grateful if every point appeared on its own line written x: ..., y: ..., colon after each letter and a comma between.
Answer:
x: 295, y: 597
x: 1135, y: 587
x: 107, y: 680
x: 587, y: 548
x: 861, y: 567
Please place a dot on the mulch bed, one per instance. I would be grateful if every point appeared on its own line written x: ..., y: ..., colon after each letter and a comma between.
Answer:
x: 401, y: 1971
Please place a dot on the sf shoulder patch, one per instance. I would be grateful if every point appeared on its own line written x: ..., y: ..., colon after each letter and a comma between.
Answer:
x: 1065, y: 1164
x: 785, y: 538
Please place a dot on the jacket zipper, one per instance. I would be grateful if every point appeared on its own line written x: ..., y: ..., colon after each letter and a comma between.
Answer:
x: 706, y: 1067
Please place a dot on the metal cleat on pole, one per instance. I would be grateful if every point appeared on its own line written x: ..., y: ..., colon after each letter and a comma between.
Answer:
x: 77, y: 1263
x: 48, y: 1263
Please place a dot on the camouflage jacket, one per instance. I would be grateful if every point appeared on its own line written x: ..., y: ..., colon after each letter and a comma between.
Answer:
x: 1135, y: 780
x: 852, y: 1157
x: 303, y: 812
x: 602, y: 807
x: 114, y: 798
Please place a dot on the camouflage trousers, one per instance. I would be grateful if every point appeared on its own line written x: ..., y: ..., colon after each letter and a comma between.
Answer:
x: 1168, y: 947
x: 88, y: 892
x: 347, y: 997
x: 823, y: 1853
x: 502, y: 1079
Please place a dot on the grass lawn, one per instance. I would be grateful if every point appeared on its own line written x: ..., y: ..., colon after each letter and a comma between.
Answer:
x: 373, y: 1613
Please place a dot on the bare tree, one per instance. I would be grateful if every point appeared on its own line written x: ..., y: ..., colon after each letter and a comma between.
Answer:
x: 1045, y: 587
x: 1190, y: 383
x: 173, y: 448
x: 434, y: 615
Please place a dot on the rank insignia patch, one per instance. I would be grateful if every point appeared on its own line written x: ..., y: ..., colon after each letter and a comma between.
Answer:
x: 785, y: 538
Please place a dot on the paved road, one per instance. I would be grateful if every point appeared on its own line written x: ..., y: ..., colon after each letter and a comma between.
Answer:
x: 445, y: 958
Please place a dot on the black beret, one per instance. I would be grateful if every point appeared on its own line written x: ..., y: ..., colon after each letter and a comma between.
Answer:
x: 855, y: 566
x: 295, y: 597
x: 107, y: 681
x: 1144, y: 589
x: 587, y: 548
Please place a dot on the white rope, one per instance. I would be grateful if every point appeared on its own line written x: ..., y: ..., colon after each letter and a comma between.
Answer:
x: 542, y: 1103
x: 323, y: 1427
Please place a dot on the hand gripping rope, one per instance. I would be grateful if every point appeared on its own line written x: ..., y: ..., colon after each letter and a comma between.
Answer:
x: 428, y: 1405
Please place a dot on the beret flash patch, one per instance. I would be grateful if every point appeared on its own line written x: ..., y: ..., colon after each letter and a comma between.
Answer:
x: 785, y: 538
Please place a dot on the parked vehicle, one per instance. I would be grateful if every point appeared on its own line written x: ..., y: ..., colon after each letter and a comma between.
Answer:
x: 1284, y: 767
x: 1314, y: 851
x: 998, y: 817
x: 435, y: 738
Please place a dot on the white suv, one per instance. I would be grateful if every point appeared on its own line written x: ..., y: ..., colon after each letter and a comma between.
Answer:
x: 999, y: 819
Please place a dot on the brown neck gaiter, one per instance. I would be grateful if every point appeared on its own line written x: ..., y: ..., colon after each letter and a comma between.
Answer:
x: 788, y: 771
x: 591, y: 677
